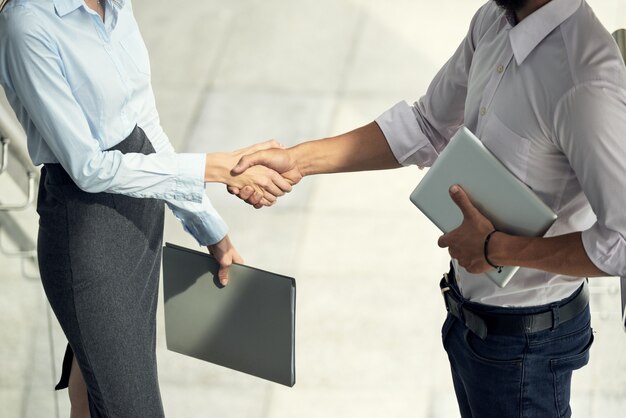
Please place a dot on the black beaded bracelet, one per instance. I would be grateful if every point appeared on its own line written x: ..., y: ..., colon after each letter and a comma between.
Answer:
x: 499, y: 268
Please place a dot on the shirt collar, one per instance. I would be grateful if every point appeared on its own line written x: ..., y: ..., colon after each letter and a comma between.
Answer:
x: 527, y: 34
x: 64, y: 7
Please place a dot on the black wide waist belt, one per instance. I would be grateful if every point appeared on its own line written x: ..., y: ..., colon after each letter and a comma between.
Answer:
x: 483, y: 323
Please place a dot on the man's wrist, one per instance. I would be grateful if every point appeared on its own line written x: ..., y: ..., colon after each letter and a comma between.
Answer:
x: 303, y: 159
x: 486, y: 251
x: 497, y: 248
x: 507, y: 250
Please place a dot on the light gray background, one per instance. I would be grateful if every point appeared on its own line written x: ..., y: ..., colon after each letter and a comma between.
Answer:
x: 231, y: 73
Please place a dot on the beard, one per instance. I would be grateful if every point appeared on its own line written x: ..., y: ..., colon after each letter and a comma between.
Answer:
x: 511, y: 5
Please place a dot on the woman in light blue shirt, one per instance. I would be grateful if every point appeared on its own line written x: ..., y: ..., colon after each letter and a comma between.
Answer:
x: 77, y: 75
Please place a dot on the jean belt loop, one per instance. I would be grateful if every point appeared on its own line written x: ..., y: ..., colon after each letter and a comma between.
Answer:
x: 556, y: 319
x: 461, y: 313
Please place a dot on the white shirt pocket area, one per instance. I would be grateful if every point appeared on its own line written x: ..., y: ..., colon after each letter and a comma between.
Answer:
x: 136, y: 52
x: 508, y: 147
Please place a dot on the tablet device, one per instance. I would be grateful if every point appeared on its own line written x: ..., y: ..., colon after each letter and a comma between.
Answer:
x: 248, y: 325
x: 510, y: 205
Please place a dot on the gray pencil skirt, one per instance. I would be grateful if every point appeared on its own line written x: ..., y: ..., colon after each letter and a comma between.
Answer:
x: 99, y: 258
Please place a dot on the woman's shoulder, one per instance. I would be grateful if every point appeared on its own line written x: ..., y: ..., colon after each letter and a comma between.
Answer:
x: 25, y: 19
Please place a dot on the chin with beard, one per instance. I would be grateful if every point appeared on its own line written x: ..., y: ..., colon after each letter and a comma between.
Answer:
x: 511, y: 5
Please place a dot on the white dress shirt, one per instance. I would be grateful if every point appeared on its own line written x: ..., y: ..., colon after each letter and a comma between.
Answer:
x: 79, y: 86
x: 548, y: 97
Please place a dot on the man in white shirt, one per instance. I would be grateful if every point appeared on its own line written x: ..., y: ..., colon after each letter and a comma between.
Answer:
x: 543, y: 85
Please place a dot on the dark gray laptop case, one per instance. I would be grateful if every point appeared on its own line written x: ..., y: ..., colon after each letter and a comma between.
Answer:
x: 247, y: 326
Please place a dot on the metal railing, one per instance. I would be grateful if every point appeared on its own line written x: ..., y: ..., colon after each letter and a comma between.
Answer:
x: 24, y: 173
x: 16, y: 163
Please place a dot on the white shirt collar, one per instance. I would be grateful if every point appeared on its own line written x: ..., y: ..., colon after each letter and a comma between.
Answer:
x: 64, y: 7
x: 527, y: 34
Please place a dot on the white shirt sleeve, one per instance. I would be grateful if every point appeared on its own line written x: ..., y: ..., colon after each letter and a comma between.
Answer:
x: 590, y: 125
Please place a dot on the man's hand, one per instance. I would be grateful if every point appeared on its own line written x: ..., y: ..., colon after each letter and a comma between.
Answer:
x: 225, y: 254
x: 263, y: 184
x: 466, y: 243
x: 276, y: 159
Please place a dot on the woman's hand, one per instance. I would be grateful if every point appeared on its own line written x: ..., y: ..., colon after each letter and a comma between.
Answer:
x: 226, y: 254
x: 265, y: 184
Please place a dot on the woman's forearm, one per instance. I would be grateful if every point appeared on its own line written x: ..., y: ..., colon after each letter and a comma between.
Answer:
x: 217, y: 167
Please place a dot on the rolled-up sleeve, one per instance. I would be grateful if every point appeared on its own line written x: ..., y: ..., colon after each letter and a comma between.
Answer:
x: 406, y: 140
x: 590, y: 122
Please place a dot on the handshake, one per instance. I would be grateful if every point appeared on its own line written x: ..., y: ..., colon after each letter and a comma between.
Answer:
x: 258, y: 174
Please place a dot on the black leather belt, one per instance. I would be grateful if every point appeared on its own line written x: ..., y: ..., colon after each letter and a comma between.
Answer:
x: 483, y: 323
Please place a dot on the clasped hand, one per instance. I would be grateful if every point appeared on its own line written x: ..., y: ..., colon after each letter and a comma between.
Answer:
x: 258, y: 184
x: 260, y: 159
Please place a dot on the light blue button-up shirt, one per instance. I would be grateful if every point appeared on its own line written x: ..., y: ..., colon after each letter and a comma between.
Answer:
x: 79, y: 86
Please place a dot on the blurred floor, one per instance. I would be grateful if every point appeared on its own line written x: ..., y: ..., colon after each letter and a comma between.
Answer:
x: 228, y: 74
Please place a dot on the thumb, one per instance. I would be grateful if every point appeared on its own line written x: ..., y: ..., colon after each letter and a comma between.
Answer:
x: 461, y: 199
x: 442, y: 242
x: 248, y: 161
x: 222, y: 274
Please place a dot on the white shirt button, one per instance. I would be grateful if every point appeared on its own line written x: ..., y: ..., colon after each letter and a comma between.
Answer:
x: 500, y: 69
x: 483, y: 111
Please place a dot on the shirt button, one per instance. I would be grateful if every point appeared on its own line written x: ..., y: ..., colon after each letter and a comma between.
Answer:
x: 500, y: 69
x: 483, y: 111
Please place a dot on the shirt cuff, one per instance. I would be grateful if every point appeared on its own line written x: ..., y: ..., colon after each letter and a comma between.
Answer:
x: 406, y: 140
x: 202, y: 221
x: 207, y: 228
x: 606, y: 249
x: 190, y: 177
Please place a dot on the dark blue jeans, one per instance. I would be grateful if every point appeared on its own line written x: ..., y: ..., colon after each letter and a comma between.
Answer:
x: 523, y: 376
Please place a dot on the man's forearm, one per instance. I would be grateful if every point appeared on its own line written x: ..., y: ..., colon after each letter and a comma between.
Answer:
x: 564, y: 254
x: 363, y: 149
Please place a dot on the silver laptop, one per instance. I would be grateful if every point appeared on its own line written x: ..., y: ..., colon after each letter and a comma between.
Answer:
x: 495, y: 191
x: 247, y: 326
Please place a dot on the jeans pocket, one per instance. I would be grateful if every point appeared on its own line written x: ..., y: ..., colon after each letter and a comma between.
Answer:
x: 562, y: 369
x: 494, y: 352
